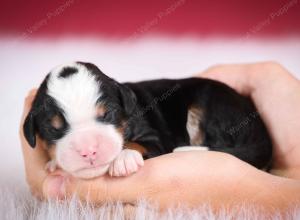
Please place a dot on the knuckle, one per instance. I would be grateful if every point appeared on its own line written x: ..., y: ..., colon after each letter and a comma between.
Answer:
x: 272, y: 65
x: 215, y: 68
x: 270, y: 70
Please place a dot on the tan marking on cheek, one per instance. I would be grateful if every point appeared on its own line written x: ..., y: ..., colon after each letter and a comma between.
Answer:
x: 57, y: 122
x: 135, y: 146
x: 44, y: 145
x: 131, y: 145
x: 194, y: 118
x: 121, y: 129
x: 52, y: 151
x: 100, y: 110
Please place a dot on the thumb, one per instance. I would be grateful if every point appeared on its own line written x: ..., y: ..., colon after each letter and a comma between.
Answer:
x: 61, y: 186
x: 54, y: 187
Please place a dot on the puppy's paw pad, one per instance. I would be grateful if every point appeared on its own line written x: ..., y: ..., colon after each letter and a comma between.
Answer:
x: 128, y: 162
x: 51, y: 166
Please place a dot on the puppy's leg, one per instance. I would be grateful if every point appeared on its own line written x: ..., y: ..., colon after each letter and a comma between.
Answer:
x: 127, y: 162
x: 193, y: 126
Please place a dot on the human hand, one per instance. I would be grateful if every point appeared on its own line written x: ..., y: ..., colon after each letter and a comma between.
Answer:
x: 191, y: 178
x: 276, y: 94
x: 152, y: 180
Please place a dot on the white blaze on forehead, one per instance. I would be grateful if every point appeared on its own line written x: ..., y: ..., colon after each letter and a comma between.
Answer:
x: 76, y: 94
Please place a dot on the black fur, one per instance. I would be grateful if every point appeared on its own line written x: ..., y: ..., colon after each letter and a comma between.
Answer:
x: 224, y: 110
x: 154, y: 114
x: 38, y: 120
x: 67, y: 71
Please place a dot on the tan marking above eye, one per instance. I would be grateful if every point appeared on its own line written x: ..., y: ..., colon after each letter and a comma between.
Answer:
x: 57, y: 122
x: 100, y: 110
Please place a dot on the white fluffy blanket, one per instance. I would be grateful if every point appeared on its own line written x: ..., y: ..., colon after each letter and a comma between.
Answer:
x: 17, y: 203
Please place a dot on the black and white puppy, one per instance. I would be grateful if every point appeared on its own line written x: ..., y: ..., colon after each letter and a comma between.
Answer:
x: 93, y: 124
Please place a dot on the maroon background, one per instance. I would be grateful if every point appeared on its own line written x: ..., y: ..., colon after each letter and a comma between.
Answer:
x: 124, y: 18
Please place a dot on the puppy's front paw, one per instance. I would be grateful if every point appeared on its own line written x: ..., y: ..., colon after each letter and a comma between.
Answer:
x: 127, y: 162
x: 51, y: 166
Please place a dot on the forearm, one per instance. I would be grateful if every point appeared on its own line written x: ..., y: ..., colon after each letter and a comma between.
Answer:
x: 222, y: 181
x: 200, y: 178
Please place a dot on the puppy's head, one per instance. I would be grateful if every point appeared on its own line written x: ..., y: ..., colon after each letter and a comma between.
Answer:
x: 80, y: 113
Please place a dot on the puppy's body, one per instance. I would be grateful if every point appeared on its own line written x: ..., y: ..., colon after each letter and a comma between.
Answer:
x: 96, y: 124
x: 195, y: 111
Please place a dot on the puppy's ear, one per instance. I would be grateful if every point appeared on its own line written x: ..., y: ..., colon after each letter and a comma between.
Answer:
x: 128, y: 99
x: 29, y: 129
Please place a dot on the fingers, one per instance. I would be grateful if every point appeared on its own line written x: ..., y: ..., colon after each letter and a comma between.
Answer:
x: 61, y: 186
x: 27, y: 104
x: 243, y: 77
x: 201, y: 176
x: 55, y: 185
x: 275, y: 93
x: 236, y: 76
x: 34, y: 159
x: 97, y: 190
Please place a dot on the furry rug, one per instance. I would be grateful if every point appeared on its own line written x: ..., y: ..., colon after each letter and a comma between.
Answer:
x: 17, y: 203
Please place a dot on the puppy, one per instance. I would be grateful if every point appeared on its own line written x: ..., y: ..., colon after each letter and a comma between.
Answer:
x: 92, y: 124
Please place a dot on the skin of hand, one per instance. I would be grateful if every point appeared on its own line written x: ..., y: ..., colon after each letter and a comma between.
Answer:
x: 195, y: 178
x: 276, y: 94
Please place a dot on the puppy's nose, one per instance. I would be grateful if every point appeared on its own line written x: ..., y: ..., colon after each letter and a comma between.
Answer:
x: 87, y: 146
x: 89, y: 153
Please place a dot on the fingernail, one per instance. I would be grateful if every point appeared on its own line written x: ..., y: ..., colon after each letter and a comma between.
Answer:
x: 55, y: 187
